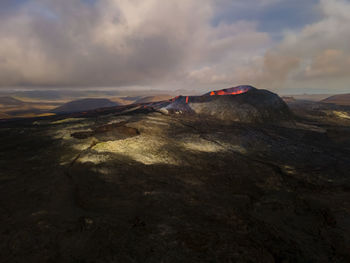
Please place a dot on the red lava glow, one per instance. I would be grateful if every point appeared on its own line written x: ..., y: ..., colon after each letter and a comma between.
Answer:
x: 173, y: 99
x: 229, y: 91
x: 223, y: 92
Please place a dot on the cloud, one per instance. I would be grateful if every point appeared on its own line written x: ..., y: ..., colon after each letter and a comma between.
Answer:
x: 112, y: 43
x: 108, y: 43
x: 329, y: 63
x: 316, y: 57
x: 172, y: 44
x: 321, y: 48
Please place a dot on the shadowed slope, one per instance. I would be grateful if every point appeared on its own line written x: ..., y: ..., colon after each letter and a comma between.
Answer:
x: 341, y: 99
x: 84, y: 105
x: 9, y: 101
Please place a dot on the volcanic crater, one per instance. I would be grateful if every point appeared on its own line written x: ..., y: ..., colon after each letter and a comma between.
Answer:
x: 242, y: 103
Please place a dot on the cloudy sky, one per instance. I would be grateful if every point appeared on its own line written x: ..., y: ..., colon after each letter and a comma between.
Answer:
x: 282, y: 45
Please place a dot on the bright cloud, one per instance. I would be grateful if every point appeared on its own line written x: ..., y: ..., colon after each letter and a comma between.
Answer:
x: 182, y: 43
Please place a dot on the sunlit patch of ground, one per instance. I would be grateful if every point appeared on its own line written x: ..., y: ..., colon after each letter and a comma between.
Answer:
x: 341, y: 114
x: 103, y: 171
x: 156, y: 143
x: 93, y: 158
x: 238, y: 148
x: 46, y: 114
x: 84, y: 144
x: 288, y: 169
x: 66, y: 131
x: 68, y: 120
x: 202, y: 145
x: 144, y: 149
x: 28, y: 110
x: 154, y: 124
x: 119, y: 119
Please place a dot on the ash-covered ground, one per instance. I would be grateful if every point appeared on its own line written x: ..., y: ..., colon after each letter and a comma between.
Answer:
x: 133, y: 184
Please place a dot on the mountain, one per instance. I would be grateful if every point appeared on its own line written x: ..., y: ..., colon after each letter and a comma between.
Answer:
x: 121, y: 100
x: 149, y: 99
x: 309, y: 97
x: 242, y: 103
x: 340, y: 99
x: 84, y: 105
x: 9, y: 101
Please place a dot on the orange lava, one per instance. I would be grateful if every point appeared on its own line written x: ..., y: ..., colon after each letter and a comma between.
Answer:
x: 173, y: 99
x: 222, y: 92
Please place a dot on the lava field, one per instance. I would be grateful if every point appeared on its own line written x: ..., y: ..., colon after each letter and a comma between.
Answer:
x: 231, y: 178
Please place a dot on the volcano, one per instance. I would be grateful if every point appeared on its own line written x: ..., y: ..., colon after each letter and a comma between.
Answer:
x: 132, y: 184
x: 242, y: 103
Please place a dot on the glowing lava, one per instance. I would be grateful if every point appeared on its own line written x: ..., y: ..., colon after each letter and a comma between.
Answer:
x: 174, y: 99
x: 231, y: 91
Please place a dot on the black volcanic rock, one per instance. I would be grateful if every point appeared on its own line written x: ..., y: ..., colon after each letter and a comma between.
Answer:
x: 249, y: 105
x: 129, y: 184
x: 84, y: 105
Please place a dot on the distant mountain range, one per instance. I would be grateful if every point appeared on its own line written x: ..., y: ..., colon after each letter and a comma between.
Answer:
x: 9, y: 101
x: 53, y: 95
x: 308, y: 97
x: 11, y: 107
x: 84, y: 105
x: 340, y: 99
x: 153, y: 99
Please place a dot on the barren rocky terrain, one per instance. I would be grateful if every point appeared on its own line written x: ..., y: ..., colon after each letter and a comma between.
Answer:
x: 341, y: 99
x: 132, y: 184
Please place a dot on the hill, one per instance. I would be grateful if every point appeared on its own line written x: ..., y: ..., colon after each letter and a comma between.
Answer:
x: 9, y: 101
x: 122, y: 100
x: 4, y: 115
x: 242, y: 103
x: 340, y: 99
x: 84, y: 105
x: 309, y: 97
x: 157, y: 98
